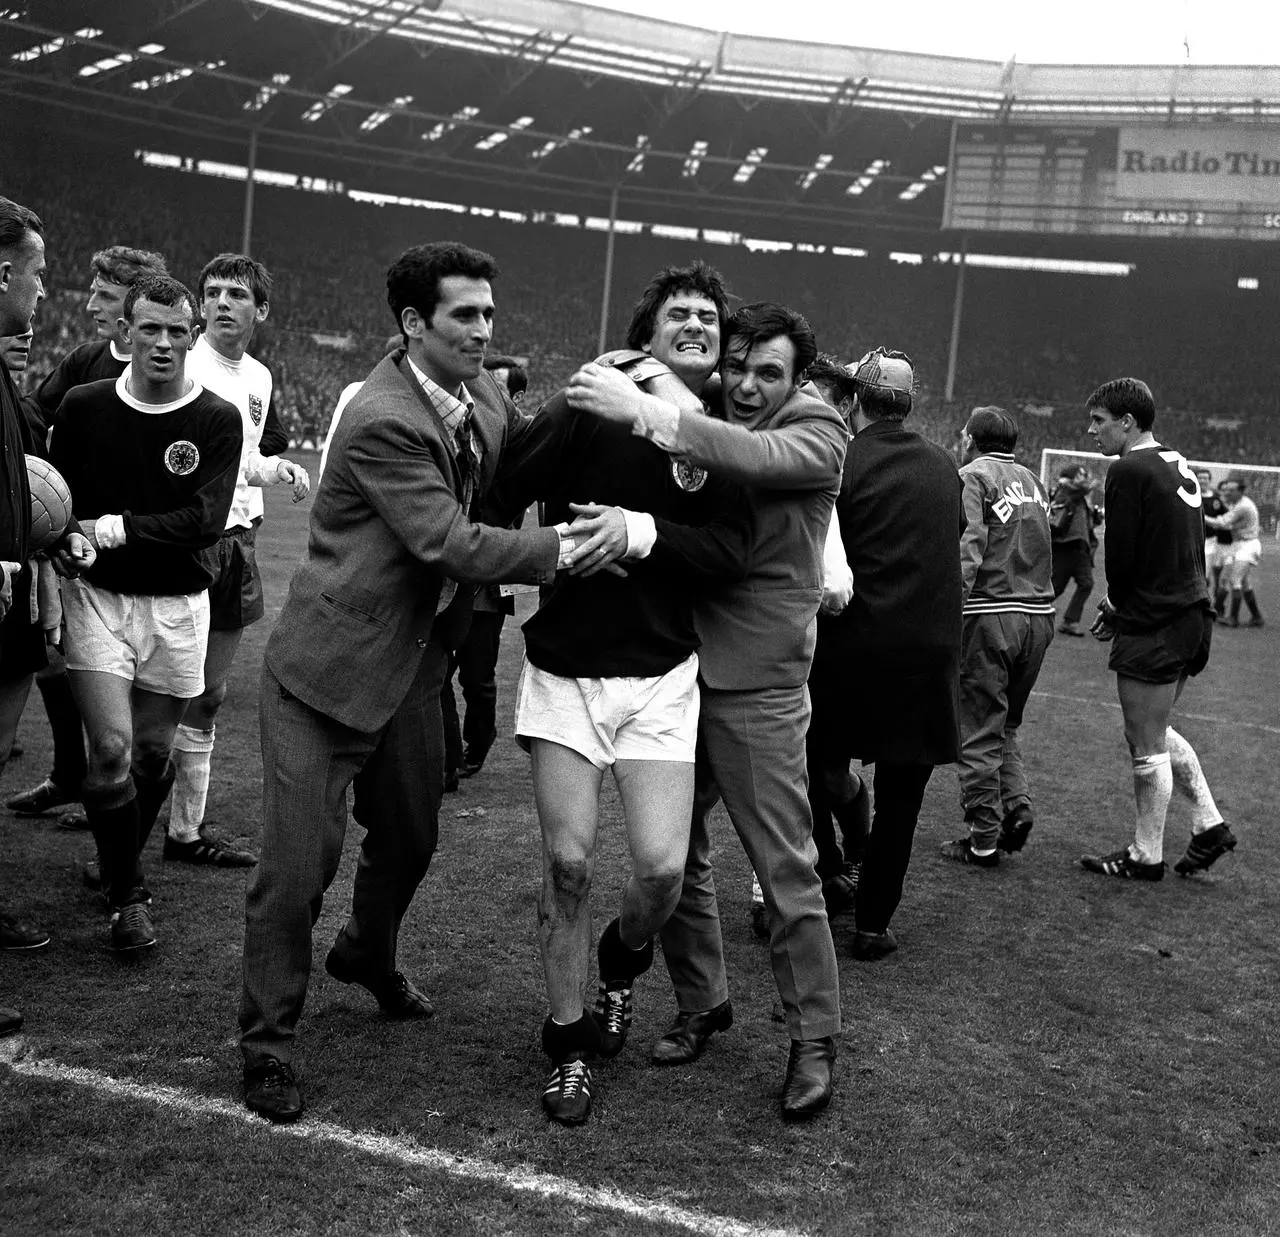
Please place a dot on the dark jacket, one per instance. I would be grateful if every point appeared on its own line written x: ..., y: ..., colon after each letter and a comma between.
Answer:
x: 894, y: 653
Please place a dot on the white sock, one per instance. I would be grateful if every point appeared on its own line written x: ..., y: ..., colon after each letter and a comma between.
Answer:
x: 1152, y: 790
x: 1189, y: 782
x: 192, y: 754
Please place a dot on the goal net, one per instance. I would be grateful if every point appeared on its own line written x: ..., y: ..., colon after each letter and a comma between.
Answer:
x: 1262, y: 480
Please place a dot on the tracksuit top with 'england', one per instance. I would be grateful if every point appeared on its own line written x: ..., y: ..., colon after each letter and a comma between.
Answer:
x: 1006, y: 550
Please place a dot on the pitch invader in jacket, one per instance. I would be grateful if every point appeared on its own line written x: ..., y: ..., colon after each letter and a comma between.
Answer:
x: 353, y: 670
x: 1006, y: 563
x: 152, y: 459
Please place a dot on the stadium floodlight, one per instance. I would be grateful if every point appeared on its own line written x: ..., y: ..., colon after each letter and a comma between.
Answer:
x: 107, y: 63
x: 462, y: 115
x: 320, y: 106
x: 54, y: 45
x: 747, y: 169
x: 874, y: 168
x: 693, y: 161
x: 264, y: 94
x: 174, y: 75
x: 637, y: 160
x: 820, y: 165
x: 498, y: 136
x: 554, y: 144
x: 374, y: 119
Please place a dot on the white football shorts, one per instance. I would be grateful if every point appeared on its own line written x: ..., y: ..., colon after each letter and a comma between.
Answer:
x: 612, y: 719
x: 158, y: 643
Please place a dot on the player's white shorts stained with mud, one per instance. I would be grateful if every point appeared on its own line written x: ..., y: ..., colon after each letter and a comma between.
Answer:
x: 159, y: 643
x: 610, y: 719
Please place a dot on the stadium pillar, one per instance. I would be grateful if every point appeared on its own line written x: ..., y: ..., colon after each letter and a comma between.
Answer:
x: 603, y: 341
x: 246, y: 231
x: 957, y: 311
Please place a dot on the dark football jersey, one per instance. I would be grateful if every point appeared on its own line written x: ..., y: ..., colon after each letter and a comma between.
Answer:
x: 1154, y: 538
x: 1214, y: 507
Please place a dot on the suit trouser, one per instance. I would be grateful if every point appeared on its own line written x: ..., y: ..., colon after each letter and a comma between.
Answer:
x: 1073, y: 560
x: 1000, y: 659
x: 899, y: 792
x: 476, y: 663
x: 751, y: 754
x: 309, y: 761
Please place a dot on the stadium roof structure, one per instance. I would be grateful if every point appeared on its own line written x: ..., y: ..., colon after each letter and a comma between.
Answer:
x: 545, y: 104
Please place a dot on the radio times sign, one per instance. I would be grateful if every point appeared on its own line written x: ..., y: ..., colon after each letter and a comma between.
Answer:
x: 1238, y: 163
x: 1216, y: 182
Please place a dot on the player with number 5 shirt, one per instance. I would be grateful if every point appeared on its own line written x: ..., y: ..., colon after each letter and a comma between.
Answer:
x: 1157, y: 614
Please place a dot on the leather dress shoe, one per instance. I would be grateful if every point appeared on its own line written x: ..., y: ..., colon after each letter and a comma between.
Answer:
x: 395, y: 993
x: 271, y: 1092
x: 688, y: 1035
x: 10, y: 1021
x: 872, y: 946
x: 807, y: 1090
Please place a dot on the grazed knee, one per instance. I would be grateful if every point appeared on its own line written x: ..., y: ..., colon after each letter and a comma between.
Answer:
x: 569, y: 884
x: 109, y: 752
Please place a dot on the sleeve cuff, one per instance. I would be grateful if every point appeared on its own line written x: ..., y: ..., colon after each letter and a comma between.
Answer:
x: 567, y: 546
x: 108, y: 531
x: 642, y: 532
x: 659, y: 422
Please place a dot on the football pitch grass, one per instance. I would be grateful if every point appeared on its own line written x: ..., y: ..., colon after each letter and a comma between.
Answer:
x: 1048, y: 1052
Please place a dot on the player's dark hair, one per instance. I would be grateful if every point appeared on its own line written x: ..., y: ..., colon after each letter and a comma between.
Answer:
x: 761, y: 321
x: 517, y: 375
x: 123, y: 265
x: 1067, y: 471
x: 1239, y: 483
x: 992, y: 429
x: 15, y: 222
x: 826, y: 370
x: 699, y: 277
x: 1126, y: 397
x: 244, y: 269
x: 413, y: 280
x: 159, y: 290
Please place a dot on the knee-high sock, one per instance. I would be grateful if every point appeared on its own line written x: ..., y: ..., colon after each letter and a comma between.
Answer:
x: 1252, y: 602
x: 69, y: 764
x: 1236, y: 596
x: 1189, y: 781
x: 153, y: 789
x: 113, y: 817
x: 192, y: 755
x: 1152, y: 790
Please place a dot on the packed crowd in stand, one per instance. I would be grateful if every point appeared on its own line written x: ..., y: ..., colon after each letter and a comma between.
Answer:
x: 1030, y: 341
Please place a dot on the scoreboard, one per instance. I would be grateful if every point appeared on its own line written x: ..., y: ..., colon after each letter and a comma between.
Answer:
x: 1216, y: 182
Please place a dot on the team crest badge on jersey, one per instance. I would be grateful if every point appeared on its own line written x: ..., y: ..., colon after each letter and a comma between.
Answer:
x: 182, y: 457
x: 689, y: 477
x: 255, y: 409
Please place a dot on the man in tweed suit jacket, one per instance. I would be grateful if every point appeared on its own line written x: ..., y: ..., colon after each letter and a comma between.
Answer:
x: 353, y: 671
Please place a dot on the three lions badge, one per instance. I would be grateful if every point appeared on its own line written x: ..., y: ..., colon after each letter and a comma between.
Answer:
x: 255, y: 409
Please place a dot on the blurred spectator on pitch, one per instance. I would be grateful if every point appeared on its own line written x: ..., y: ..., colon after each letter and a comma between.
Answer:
x: 1073, y: 520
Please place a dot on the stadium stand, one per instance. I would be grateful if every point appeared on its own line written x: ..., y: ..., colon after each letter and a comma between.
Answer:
x: 1032, y: 341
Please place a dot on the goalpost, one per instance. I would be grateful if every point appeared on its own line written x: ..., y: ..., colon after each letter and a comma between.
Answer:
x: 1263, y: 480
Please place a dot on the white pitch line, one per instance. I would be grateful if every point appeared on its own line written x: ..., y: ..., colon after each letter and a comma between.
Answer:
x: 1235, y: 722
x: 399, y: 1150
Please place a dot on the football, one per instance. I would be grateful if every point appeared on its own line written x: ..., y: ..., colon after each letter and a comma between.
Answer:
x: 50, y: 503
